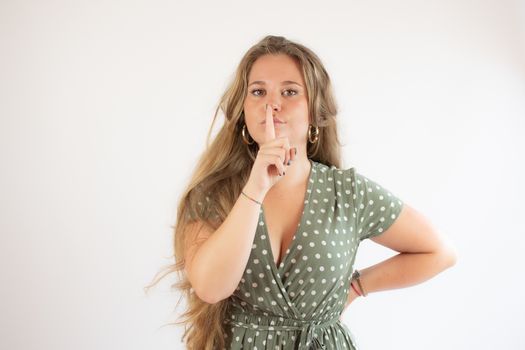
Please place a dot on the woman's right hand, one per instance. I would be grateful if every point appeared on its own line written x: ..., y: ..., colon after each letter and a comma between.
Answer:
x: 272, y: 159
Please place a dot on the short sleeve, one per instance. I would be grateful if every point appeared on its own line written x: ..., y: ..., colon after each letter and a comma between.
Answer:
x: 375, y: 208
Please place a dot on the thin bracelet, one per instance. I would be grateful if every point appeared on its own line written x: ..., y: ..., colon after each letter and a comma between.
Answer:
x: 355, y: 289
x: 251, y: 198
x: 356, y: 276
x: 361, y: 287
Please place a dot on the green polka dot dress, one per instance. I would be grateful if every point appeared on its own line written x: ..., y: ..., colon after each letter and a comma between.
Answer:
x: 297, y: 304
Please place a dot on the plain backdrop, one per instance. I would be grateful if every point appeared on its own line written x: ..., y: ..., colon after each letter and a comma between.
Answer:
x: 104, y: 110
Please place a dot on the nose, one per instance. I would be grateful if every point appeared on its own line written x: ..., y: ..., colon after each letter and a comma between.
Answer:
x: 273, y: 98
x: 274, y: 106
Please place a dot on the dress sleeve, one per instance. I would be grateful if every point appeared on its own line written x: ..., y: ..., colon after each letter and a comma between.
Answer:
x: 375, y: 208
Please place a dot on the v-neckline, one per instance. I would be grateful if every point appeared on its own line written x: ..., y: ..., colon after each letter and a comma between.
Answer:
x: 306, y: 201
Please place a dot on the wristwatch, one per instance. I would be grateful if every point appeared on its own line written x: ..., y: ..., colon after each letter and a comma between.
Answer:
x: 355, y: 276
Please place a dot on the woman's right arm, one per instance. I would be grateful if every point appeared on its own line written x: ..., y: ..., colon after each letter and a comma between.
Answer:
x: 215, y: 261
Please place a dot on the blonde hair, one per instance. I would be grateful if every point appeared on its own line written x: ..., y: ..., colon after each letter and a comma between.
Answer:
x: 224, y: 167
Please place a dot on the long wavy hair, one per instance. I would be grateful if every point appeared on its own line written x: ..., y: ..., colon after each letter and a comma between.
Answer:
x: 224, y: 168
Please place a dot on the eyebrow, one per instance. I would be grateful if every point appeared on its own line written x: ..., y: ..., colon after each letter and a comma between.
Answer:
x: 286, y: 82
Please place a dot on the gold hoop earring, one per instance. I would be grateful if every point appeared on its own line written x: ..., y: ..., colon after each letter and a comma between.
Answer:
x: 244, y: 139
x: 316, y: 133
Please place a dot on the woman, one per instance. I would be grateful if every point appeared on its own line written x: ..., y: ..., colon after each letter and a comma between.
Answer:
x: 268, y: 228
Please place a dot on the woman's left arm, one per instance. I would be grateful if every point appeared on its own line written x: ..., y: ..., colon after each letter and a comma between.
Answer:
x: 424, y: 253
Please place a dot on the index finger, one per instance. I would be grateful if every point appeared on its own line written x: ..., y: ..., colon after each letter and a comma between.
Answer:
x: 270, y: 130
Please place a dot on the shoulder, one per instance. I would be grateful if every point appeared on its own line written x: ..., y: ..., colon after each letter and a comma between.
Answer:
x: 340, y: 182
x: 341, y: 177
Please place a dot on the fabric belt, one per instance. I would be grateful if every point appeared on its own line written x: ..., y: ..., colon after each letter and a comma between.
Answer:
x: 278, y: 323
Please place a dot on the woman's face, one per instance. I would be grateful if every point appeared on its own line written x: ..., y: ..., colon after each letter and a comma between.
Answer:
x: 277, y: 80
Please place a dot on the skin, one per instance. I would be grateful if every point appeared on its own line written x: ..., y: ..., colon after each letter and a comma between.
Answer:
x: 423, y: 251
x: 289, y: 103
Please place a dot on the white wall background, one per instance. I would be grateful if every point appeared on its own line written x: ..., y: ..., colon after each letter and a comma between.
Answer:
x: 104, y: 109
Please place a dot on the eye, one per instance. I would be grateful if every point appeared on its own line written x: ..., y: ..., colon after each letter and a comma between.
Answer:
x: 255, y: 90
x: 294, y: 92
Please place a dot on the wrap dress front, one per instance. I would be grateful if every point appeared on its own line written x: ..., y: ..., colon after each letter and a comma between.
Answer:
x: 297, y: 305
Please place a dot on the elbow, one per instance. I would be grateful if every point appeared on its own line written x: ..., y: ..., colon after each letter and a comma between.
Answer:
x: 449, y: 256
x: 206, y: 289
x: 204, y: 294
x: 453, y: 257
x: 201, y: 293
x: 201, y: 290
x: 210, y: 299
x: 209, y: 296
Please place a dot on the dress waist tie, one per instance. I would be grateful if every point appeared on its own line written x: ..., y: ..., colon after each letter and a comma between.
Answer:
x: 279, y: 323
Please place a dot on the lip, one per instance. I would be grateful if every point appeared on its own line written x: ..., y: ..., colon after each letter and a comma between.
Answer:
x: 275, y: 121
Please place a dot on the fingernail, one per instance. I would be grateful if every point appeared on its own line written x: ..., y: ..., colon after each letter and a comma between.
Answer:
x: 289, y: 162
x: 295, y: 149
x: 284, y: 173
